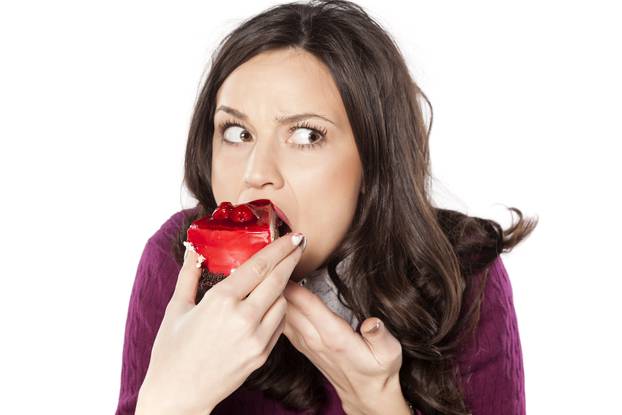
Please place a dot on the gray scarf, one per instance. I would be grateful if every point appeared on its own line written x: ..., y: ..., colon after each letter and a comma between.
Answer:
x: 319, y: 283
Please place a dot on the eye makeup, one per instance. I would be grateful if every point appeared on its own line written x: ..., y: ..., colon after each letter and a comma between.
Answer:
x: 222, y: 127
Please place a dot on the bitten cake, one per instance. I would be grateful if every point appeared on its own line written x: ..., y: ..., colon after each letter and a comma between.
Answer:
x: 229, y: 236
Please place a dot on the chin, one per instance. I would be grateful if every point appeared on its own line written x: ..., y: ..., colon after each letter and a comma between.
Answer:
x: 299, y: 272
x: 297, y: 275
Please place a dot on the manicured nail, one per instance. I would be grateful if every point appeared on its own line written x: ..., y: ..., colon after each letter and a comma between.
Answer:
x: 200, y: 260
x: 189, y: 248
x: 297, y: 238
x: 374, y: 328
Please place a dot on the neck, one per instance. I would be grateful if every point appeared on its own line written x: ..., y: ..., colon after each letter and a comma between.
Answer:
x: 320, y: 283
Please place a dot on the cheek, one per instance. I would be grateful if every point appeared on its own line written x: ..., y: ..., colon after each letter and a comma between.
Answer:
x: 328, y: 201
x: 225, y: 179
x: 217, y: 179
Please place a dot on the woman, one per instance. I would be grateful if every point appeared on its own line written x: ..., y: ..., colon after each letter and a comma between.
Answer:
x: 312, y: 106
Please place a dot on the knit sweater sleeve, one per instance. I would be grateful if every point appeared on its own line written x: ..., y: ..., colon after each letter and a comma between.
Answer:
x: 153, y: 288
x: 491, y: 362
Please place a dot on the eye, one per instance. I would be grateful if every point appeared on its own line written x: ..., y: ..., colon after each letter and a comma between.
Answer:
x: 232, y: 131
x: 305, y: 132
x: 305, y: 136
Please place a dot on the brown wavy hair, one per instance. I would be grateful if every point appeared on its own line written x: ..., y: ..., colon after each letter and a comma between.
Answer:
x: 415, y: 268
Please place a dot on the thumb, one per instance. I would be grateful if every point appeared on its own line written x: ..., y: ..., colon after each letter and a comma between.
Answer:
x: 188, y: 278
x: 386, y: 348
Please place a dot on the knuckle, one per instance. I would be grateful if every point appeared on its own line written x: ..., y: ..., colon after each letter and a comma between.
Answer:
x: 248, y: 313
x: 259, y: 266
x: 256, y: 348
x: 241, y: 319
x: 338, y: 344
x: 223, y: 296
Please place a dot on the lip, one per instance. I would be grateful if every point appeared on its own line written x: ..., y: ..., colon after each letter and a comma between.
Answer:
x: 278, y: 211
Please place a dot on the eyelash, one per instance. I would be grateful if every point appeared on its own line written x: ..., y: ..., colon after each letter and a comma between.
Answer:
x: 304, y: 124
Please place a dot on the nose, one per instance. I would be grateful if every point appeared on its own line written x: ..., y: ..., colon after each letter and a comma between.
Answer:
x: 262, y: 166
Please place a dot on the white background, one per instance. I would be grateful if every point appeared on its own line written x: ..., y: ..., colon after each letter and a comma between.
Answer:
x: 95, y: 104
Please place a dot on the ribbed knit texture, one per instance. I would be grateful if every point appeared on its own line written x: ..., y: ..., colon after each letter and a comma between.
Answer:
x: 491, y: 364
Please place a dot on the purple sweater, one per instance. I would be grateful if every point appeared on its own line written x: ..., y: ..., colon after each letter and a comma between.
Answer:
x: 491, y: 365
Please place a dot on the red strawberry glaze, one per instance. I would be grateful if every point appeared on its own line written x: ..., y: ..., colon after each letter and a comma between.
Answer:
x: 222, y: 212
x: 242, y: 214
x: 231, y: 235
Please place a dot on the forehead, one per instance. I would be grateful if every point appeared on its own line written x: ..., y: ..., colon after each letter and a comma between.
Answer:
x: 282, y: 82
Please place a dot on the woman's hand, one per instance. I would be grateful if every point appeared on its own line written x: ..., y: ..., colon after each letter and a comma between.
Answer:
x: 363, y: 368
x: 204, y: 352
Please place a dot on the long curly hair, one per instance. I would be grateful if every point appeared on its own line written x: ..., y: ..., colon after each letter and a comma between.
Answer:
x: 414, y: 270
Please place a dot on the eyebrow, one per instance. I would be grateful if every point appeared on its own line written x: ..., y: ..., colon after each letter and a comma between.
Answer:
x: 278, y: 119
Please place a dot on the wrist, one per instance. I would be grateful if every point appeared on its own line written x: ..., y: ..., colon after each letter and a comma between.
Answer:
x: 392, y: 401
x: 151, y: 403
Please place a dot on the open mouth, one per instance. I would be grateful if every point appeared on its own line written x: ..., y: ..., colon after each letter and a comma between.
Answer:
x: 282, y: 223
x: 283, y: 228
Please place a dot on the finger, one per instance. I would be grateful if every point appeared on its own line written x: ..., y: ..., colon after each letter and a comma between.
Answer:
x: 299, y: 329
x: 331, y: 325
x: 275, y: 337
x: 386, y: 349
x: 259, y: 266
x: 268, y: 290
x: 272, y: 318
x: 312, y: 340
x: 187, y: 279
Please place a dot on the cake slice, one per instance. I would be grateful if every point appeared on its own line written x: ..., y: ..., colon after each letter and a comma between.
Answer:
x: 229, y: 236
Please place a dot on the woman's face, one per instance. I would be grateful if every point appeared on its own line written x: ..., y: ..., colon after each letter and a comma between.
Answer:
x: 314, y: 179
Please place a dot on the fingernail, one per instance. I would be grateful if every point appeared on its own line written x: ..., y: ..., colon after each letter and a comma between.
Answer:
x: 200, y: 260
x: 297, y: 238
x: 374, y: 328
x: 189, y: 248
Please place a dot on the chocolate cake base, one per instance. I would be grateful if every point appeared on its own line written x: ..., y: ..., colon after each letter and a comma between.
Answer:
x: 207, y: 281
